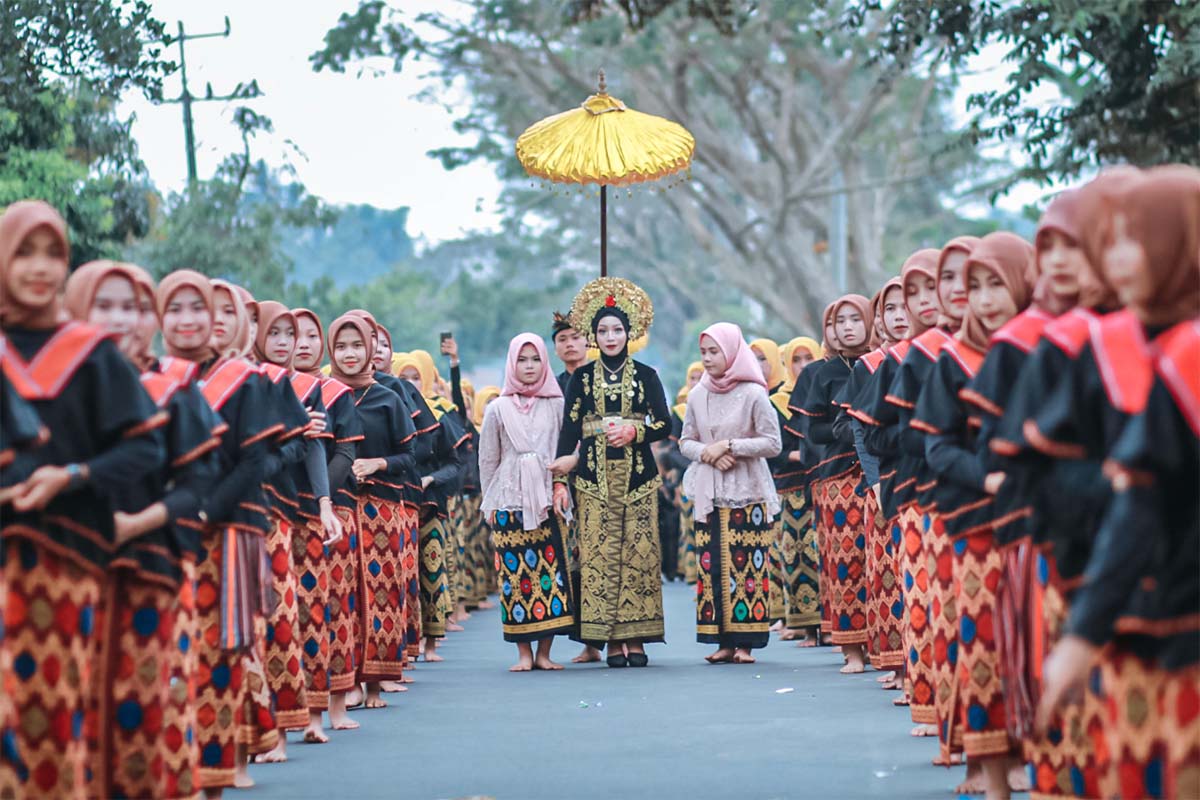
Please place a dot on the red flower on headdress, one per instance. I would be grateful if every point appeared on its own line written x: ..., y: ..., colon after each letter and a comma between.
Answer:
x: 610, y: 301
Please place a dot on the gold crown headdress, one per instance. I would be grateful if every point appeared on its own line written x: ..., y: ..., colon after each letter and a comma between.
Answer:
x: 619, y: 293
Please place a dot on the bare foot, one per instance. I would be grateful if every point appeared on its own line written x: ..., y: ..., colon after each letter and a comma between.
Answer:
x: 924, y: 730
x: 587, y: 656
x: 315, y: 732
x: 354, y: 697
x: 485, y: 604
x: 742, y: 656
x: 807, y: 641
x: 373, y: 699
x: 454, y: 627
x: 392, y: 686
x: 975, y: 783
x: 339, y: 720
x: 408, y: 678
x: 241, y: 773
x: 1018, y: 778
x: 525, y: 662
x: 776, y: 626
x: 902, y: 700
x: 788, y: 635
x: 886, y: 677
x: 276, y: 755
x: 544, y: 662
x: 430, y: 654
x: 854, y: 660
x: 954, y: 760
x: 722, y: 656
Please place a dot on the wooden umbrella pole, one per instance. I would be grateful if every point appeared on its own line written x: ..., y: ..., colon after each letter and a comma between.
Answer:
x: 603, y: 230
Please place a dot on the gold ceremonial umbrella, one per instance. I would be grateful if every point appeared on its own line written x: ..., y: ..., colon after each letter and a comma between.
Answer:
x: 605, y: 143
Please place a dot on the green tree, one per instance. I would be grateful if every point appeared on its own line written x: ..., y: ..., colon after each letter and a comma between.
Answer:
x: 778, y: 110
x: 64, y: 65
x: 233, y: 226
x: 1127, y: 72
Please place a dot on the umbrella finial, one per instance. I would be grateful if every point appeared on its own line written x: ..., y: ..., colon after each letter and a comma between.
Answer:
x: 602, y: 85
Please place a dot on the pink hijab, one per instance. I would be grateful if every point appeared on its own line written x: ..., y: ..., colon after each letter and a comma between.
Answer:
x: 546, y: 385
x: 741, y: 365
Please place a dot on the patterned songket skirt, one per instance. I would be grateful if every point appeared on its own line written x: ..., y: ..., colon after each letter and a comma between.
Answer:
x: 147, y: 719
x: 382, y: 529
x: 733, y: 593
x: 535, y: 597
x: 1061, y: 763
x: 220, y: 673
x: 687, y: 540
x: 437, y: 602
x: 342, y: 608
x: 779, y: 597
x: 824, y: 559
x: 979, y: 570
x: 943, y: 613
x: 410, y: 581
x: 312, y: 589
x: 1135, y: 729
x: 917, y: 630
x: 846, y: 544
x: 48, y: 648
x: 887, y: 598
x: 258, y: 730
x: 284, y: 662
x: 801, y: 561
x: 621, y: 568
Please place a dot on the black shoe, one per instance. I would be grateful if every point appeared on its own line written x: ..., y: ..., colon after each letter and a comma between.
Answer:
x: 617, y: 661
x: 638, y: 660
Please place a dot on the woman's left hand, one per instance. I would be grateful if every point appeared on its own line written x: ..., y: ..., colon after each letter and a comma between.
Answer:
x: 725, y: 462
x: 619, y: 437
x: 1064, y: 673
x: 365, y: 467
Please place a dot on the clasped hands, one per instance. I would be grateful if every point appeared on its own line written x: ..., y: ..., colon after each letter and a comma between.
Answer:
x: 718, y: 454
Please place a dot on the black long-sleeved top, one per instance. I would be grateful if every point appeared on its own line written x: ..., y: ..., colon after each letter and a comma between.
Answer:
x: 343, y: 434
x: 636, y: 395
x: 904, y: 392
x: 1080, y: 421
x: 1141, y: 586
x: 190, y: 441
x: 821, y: 411
x: 21, y: 429
x: 811, y: 452
x: 881, y: 429
x: 234, y: 389
x: 388, y: 434
x: 91, y: 400
x: 469, y: 479
x: 952, y: 447
x: 847, y: 428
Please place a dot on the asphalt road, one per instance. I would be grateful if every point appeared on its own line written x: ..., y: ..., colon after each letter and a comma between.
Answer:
x: 679, y: 729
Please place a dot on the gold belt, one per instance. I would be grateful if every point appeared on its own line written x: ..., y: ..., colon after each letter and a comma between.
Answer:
x: 599, y: 427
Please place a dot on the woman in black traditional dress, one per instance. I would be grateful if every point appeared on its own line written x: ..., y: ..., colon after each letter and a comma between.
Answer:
x: 614, y: 410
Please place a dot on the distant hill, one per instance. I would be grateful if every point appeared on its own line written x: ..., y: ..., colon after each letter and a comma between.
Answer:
x: 365, y: 243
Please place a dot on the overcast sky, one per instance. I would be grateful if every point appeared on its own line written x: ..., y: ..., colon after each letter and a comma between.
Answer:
x: 364, y: 139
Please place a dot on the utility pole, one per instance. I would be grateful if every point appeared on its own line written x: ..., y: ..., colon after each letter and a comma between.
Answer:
x: 185, y: 99
x: 837, y: 229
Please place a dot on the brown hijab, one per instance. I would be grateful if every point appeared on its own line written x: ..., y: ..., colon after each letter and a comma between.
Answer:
x: 1095, y: 211
x: 144, y: 283
x: 18, y: 221
x: 304, y: 312
x: 241, y: 345
x: 923, y: 264
x: 1061, y: 216
x: 270, y: 312
x: 365, y: 376
x: 167, y: 287
x: 1012, y: 259
x: 85, y: 282
x: 962, y: 244
x: 863, y: 306
x: 884, y: 337
x: 1163, y: 210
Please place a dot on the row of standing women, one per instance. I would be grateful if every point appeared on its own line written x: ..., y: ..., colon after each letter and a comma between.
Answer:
x: 207, y: 549
x: 1000, y: 453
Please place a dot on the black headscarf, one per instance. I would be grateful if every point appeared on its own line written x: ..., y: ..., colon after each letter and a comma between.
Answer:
x: 612, y: 362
